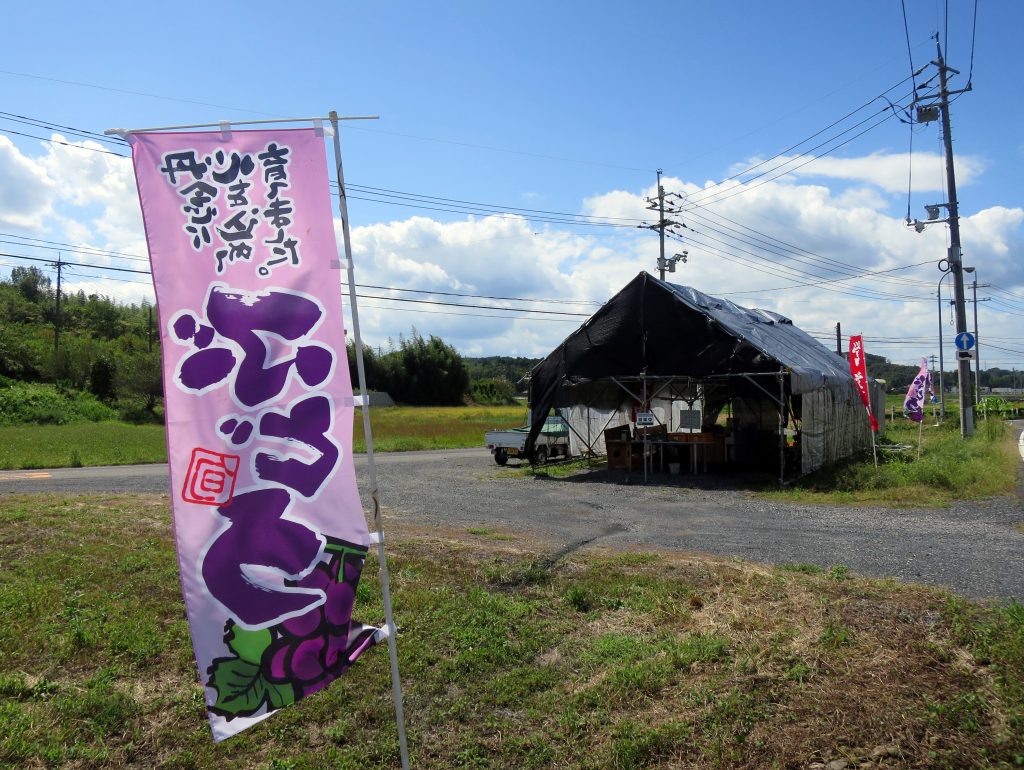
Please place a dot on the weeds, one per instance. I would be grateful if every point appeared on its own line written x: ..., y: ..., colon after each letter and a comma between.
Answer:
x: 23, y: 403
x: 598, y: 661
x: 949, y: 468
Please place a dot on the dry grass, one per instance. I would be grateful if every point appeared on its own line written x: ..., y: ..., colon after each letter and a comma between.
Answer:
x: 603, y: 659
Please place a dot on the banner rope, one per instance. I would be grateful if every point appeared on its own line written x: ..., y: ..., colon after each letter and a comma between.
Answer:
x: 385, y: 580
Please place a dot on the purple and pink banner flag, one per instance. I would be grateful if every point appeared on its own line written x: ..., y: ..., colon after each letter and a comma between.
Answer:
x: 859, y: 370
x: 269, y: 527
x: 917, y: 393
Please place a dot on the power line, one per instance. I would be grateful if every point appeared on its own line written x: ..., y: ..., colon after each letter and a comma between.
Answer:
x: 479, y: 296
x: 75, y: 264
x: 366, y: 296
x: 65, y: 144
x: 138, y: 93
x: 14, y: 117
x: 974, y: 29
x: 40, y: 243
x: 505, y: 150
x: 466, y: 315
x: 728, y: 233
x: 785, y: 249
x: 781, y: 271
x: 386, y: 192
x: 867, y: 274
x: 410, y: 203
x: 745, y: 187
x: 484, y: 307
x: 792, y: 147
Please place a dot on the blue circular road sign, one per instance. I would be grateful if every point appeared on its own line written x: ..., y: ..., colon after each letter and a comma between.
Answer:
x: 964, y: 341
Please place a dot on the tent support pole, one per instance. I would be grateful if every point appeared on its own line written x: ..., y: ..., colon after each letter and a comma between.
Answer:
x: 768, y: 393
x: 590, y: 444
x: 607, y: 423
x: 628, y: 391
x: 643, y: 382
x: 577, y: 433
x: 782, y: 428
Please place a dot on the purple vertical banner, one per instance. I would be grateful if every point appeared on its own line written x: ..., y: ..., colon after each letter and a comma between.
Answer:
x: 268, y: 524
x: 913, y: 404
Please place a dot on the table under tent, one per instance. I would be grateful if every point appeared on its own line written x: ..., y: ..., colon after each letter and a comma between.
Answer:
x: 667, y: 377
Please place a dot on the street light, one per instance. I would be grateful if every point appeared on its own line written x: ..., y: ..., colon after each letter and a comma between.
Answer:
x: 669, y: 263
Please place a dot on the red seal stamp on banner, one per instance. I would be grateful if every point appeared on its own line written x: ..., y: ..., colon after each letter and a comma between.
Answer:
x: 211, y: 477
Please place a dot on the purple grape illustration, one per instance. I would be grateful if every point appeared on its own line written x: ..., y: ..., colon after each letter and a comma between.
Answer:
x: 301, y: 655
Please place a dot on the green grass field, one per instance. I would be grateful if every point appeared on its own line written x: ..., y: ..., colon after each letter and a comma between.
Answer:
x: 509, y: 660
x: 80, y: 444
x: 395, y: 429
x: 405, y: 428
x: 949, y: 468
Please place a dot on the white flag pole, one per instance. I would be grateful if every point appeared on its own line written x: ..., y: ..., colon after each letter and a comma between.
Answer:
x: 385, y: 581
x: 874, y: 451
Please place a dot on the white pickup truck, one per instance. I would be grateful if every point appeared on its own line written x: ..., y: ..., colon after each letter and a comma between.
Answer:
x: 552, y: 441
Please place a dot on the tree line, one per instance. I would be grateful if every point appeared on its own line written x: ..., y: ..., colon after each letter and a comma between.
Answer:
x: 92, y: 343
x: 899, y: 376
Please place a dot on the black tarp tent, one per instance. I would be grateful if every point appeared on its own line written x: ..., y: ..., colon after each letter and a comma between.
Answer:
x: 654, y: 332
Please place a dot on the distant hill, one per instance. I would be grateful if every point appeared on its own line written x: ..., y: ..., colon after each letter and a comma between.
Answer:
x: 511, y: 368
x: 896, y: 376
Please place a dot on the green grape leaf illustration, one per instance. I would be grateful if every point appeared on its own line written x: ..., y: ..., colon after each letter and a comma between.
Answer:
x: 242, y: 689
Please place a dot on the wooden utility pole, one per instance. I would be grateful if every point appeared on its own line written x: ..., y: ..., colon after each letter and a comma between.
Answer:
x: 56, y: 320
x: 955, y: 263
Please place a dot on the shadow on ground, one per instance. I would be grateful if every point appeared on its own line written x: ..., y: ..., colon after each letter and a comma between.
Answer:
x: 735, y: 480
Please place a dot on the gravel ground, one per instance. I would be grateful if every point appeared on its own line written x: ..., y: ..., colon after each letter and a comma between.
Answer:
x: 974, y: 548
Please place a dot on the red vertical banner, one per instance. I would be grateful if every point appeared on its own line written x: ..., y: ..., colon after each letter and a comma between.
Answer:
x: 859, y: 370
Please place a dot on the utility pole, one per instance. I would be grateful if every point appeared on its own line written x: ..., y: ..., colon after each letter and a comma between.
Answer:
x: 839, y: 339
x: 56, y: 320
x: 659, y: 206
x: 954, y: 263
x: 661, y: 226
x: 977, y: 344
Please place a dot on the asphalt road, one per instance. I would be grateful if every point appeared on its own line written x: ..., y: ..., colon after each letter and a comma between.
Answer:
x: 975, y: 549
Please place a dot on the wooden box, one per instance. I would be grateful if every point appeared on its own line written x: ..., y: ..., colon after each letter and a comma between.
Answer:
x: 624, y: 455
x: 618, y: 433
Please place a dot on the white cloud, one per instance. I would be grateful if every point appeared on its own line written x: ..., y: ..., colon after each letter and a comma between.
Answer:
x: 888, y: 171
x: 752, y: 245
x: 81, y: 198
x: 102, y: 186
x: 25, y: 188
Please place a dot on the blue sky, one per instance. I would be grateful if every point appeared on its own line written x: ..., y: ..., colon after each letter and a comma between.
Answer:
x: 557, y: 107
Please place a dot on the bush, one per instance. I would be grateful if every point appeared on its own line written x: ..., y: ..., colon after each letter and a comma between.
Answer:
x: 102, y: 379
x: 46, y: 405
x: 420, y: 372
x: 493, y: 391
x: 138, y: 412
